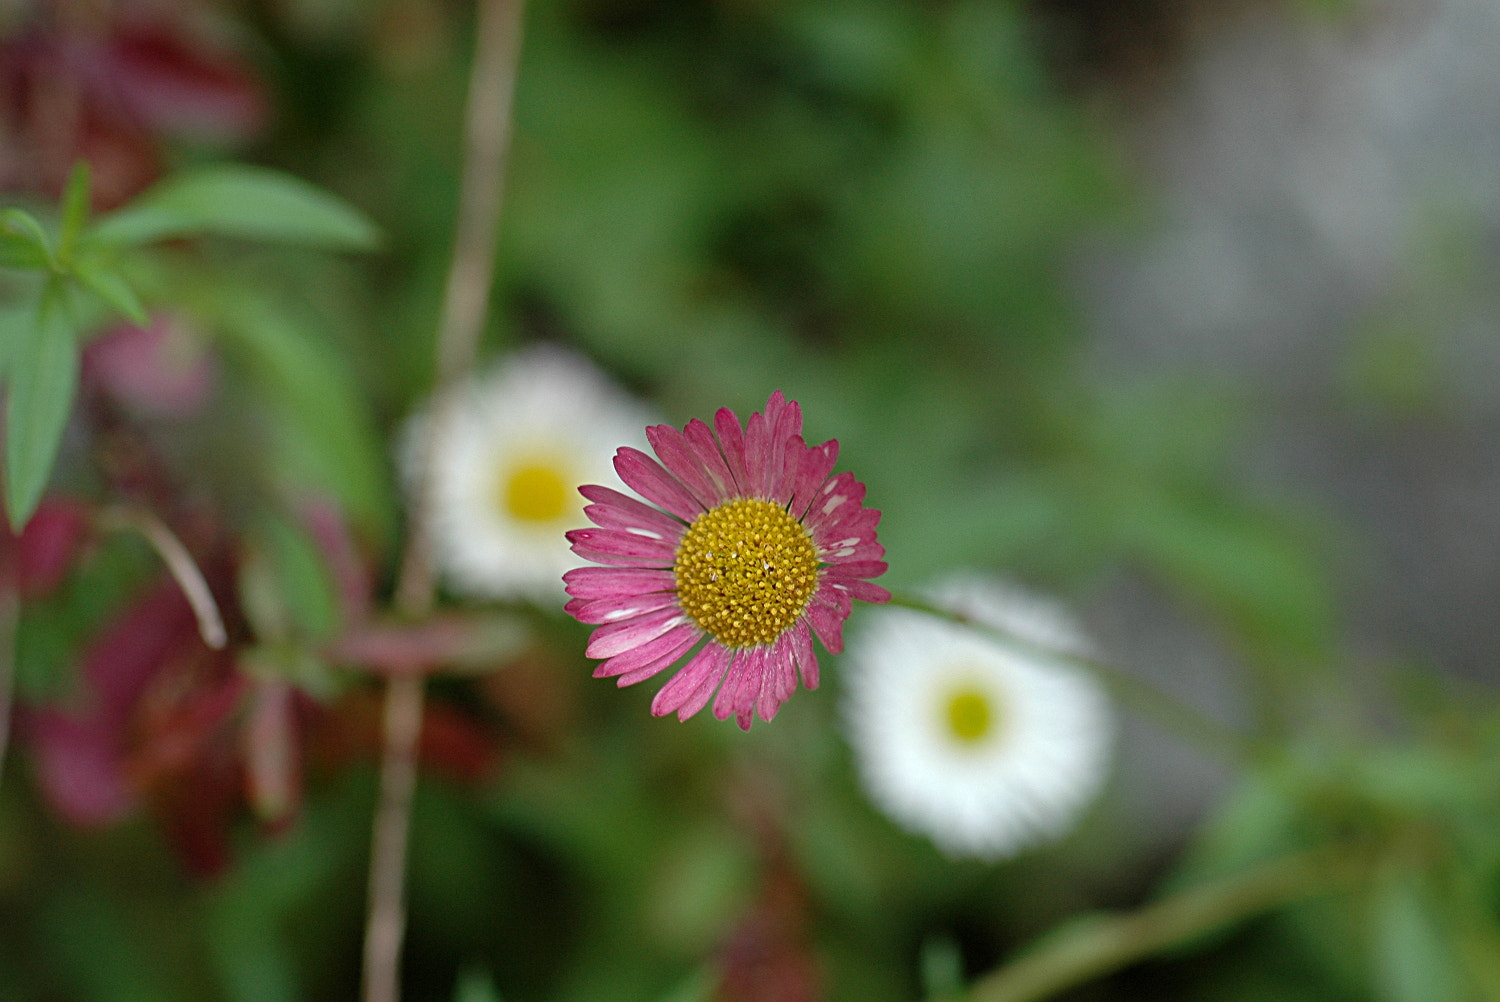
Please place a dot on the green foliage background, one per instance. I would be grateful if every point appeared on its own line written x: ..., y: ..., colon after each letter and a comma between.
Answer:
x: 872, y: 207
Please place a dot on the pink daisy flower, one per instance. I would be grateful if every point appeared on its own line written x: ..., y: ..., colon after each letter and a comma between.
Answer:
x: 751, y: 546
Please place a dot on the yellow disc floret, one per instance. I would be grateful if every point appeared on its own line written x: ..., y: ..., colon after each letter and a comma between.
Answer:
x: 533, y: 492
x: 745, y: 571
x: 970, y: 715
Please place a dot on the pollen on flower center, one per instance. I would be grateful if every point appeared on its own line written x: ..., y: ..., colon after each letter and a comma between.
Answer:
x: 533, y: 492
x: 745, y: 571
x: 970, y: 715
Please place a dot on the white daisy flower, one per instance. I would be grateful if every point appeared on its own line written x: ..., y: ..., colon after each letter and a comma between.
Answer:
x: 509, y: 449
x: 984, y: 747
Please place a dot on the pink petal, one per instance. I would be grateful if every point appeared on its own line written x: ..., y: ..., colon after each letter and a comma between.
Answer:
x: 678, y: 457
x: 828, y: 620
x: 616, y: 582
x: 800, y: 637
x: 741, y: 684
x: 655, y: 667
x: 616, y: 560
x: 858, y: 524
x: 611, y: 610
x: 646, y: 477
x: 732, y: 442
x: 787, y: 448
x: 851, y: 550
x: 779, y: 680
x: 774, y: 406
x: 617, y: 638
x: 651, y: 657
x: 699, y: 697
x: 656, y: 552
x: 614, y: 510
x: 788, y: 418
x: 758, y: 454
x: 856, y: 570
x: 688, y: 690
x: 817, y: 464
x: 863, y: 590
x: 838, y: 498
x: 701, y: 440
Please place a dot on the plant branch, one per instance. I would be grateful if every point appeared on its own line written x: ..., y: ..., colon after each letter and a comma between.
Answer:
x: 465, y: 306
x: 1171, y: 713
x: 1095, y: 945
x: 134, y: 518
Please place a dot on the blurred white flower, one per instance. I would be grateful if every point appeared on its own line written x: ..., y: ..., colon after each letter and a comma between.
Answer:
x: 984, y: 747
x: 508, y: 451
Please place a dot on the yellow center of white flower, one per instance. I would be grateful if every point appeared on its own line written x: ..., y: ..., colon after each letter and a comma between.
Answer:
x: 970, y: 715
x: 745, y: 571
x: 533, y: 491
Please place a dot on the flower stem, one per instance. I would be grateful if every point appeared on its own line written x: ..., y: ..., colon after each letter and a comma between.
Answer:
x: 1095, y: 945
x: 1173, y: 714
x: 466, y: 299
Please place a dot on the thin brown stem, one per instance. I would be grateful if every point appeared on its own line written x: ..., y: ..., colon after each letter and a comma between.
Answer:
x: 465, y: 306
x: 179, y: 562
x: 386, y: 926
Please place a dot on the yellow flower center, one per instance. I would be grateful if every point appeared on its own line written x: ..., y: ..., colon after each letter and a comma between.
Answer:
x: 970, y: 715
x: 533, y: 491
x: 745, y: 571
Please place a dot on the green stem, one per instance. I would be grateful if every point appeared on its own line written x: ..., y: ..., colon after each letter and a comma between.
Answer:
x: 1140, y: 695
x: 1095, y: 945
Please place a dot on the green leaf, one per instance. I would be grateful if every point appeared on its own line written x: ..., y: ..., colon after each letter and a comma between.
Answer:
x: 325, y: 434
x: 475, y: 986
x: 43, y: 378
x: 15, y: 325
x: 234, y: 200
x: 75, y: 210
x: 18, y: 250
x: 25, y: 243
x: 109, y: 286
x: 287, y: 590
x: 1412, y: 956
x: 55, y: 629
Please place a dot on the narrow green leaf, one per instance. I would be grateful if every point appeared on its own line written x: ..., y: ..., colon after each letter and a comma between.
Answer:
x: 43, y: 378
x: 18, y: 250
x: 1411, y: 953
x: 75, y: 210
x: 234, y: 200
x: 296, y: 595
x: 109, y: 286
x: 15, y: 326
x: 24, y: 229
